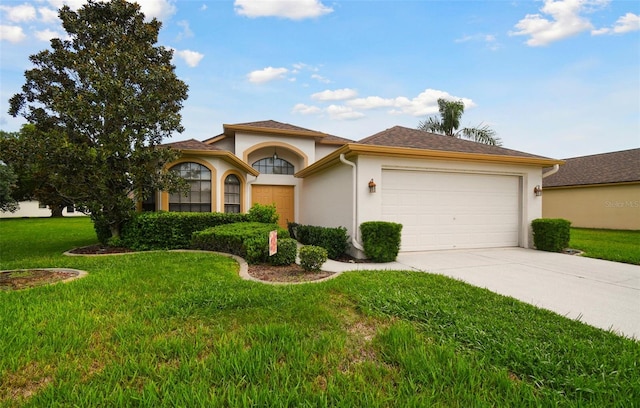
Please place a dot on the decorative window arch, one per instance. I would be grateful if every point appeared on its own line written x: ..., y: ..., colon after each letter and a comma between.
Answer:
x: 232, y: 195
x: 198, y: 198
x: 273, y: 165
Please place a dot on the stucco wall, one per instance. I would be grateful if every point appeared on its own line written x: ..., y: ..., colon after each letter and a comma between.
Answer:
x: 370, y: 204
x: 609, y: 207
x: 326, y: 199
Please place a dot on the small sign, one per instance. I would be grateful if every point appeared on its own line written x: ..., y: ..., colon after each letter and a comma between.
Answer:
x: 273, y: 243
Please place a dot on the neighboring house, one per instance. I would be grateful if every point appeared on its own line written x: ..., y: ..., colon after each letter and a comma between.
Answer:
x: 446, y: 192
x: 30, y: 209
x: 597, y: 191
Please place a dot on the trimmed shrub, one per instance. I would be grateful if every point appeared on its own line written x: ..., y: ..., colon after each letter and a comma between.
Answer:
x: 381, y: 240
x: 171, y: 230
x: 263, y: 213
x: 249, y: 240
x: 312, y: 257
x: 334, y: 240
x: 551, y: 234
x: 287, y: 251
x: 101, y: 226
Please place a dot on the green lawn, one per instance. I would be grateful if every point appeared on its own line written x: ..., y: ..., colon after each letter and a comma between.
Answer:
x: 612, y: 245
x: 182, y: 329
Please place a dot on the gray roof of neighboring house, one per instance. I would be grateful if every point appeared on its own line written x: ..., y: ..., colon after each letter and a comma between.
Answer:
x: 604, y: 168
x: 399, y: 136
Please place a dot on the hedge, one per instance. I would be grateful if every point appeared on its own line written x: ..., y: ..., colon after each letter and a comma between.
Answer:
x: 551, y: 234
x: 334, y: 240
x: 249, y: 240
x: 381, y: 240
x: 171, y: 230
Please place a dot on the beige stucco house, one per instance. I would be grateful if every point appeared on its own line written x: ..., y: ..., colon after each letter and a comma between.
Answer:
x: 596, y: 191
x: 446, y: 192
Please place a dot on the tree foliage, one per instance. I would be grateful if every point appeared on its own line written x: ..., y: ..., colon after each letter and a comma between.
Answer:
x: 449, y: 123
x: 7, y: 184
x: 27, y: 155
x: 102, y: 101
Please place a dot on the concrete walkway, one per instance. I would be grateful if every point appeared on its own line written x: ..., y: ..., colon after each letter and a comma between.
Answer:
x: 600, y: 293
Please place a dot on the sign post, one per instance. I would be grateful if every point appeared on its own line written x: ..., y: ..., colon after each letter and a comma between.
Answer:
x: 273, y: 243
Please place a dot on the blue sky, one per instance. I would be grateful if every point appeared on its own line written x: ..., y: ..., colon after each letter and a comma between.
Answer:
x: 554, y: 78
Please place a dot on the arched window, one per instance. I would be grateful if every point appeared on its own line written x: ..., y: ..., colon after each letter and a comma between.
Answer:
x: 232, y: 194
x: 269, y: 165
x: 198, y: 198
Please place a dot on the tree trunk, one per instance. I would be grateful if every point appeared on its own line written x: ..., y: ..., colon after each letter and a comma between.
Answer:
x: 56, y: 210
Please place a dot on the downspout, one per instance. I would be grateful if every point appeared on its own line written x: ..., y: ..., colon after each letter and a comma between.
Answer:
x: 554, y: 170
x: 354, y: 176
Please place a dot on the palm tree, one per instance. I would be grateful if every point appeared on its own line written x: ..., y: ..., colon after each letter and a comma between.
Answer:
x: 449, y: 122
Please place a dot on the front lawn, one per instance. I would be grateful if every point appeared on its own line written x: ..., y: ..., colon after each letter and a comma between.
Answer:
x: 182, y: 329
x: 612, y: 245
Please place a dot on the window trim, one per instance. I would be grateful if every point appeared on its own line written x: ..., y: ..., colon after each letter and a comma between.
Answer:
x: 164, y: 199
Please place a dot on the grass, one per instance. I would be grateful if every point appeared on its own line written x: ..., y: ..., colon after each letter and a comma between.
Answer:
x: 181, y: 329
x: 612, y: 245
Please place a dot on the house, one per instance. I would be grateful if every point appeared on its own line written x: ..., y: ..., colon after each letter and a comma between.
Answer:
x: 596, y: 191
x: 446, y: 192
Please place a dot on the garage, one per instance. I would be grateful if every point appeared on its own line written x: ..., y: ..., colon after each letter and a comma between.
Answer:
x: 451, y: 210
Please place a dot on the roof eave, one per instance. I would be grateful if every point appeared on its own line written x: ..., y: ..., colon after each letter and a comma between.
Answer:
x: 352, y: 149
x: 224, y: 155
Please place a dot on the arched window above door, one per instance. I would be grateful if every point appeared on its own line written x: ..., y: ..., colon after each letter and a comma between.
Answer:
x: 270, y: 165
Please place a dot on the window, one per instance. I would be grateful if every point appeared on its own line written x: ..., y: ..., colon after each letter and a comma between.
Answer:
x: 41, y: 204
x: 71, y: 209
x: 269, y: 165
x: 198, y: 198
x: 232, y: 194
x: 149, y: 204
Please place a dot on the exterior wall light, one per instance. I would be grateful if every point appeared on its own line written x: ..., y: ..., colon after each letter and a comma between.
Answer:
x: 537, y: 190
x: 372, y: 186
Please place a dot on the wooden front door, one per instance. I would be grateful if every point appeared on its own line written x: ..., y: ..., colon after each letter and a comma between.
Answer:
x: 281, y: 196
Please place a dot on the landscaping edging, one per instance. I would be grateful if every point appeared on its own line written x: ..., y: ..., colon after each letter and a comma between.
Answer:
x: 77, y: 274
x: 243, y: 269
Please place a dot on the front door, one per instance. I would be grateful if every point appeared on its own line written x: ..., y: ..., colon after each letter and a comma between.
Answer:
x: 281, y: 196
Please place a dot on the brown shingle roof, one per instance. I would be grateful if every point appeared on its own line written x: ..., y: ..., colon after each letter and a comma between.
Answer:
x: 191, y: 144
x: 399, y: 136
x: 604, y: 168
x: 286, y: 128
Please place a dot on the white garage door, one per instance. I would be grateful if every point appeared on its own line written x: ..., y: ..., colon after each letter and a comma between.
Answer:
x: 452, y: 210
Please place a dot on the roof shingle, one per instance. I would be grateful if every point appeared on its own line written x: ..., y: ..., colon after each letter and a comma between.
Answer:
x: 399, y: 136
x: 191, y: 144
x: 605, y: 168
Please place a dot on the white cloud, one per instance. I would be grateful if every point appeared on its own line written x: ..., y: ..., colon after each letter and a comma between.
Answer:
x: 291, y: 9
x: 320, y: 78
x: 566, y: 20
x: 192, y: 58
x: 306, y: 109
x: 160, y: 9
x: 266, y: 75
x: 426, y: 103
x: 203, y: 7
x: 337, y: 95
x: 627, y: 23
x: 13, y: 34
x: 21, y: 13
x: 47, y: 35
x: 73, y: 4
x: 343, y: 112
x: 48, y: 15
x: 186, y: 30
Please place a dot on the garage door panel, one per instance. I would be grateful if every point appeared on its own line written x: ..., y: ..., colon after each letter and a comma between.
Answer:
x: 452, y: 210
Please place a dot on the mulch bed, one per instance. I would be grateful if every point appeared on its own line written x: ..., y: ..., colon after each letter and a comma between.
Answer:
x: 99, y: 250
x: 291, y: 273
x: 29, y: 278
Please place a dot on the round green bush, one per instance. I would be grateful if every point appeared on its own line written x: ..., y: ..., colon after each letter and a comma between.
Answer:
x: 287, y: 251
x: 312, y: 257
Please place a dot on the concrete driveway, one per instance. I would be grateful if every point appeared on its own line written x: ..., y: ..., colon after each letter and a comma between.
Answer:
x: 600, y: 293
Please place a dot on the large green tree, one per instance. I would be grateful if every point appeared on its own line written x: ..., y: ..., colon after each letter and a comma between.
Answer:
x: 449, y: 124
x: 102, y: 101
